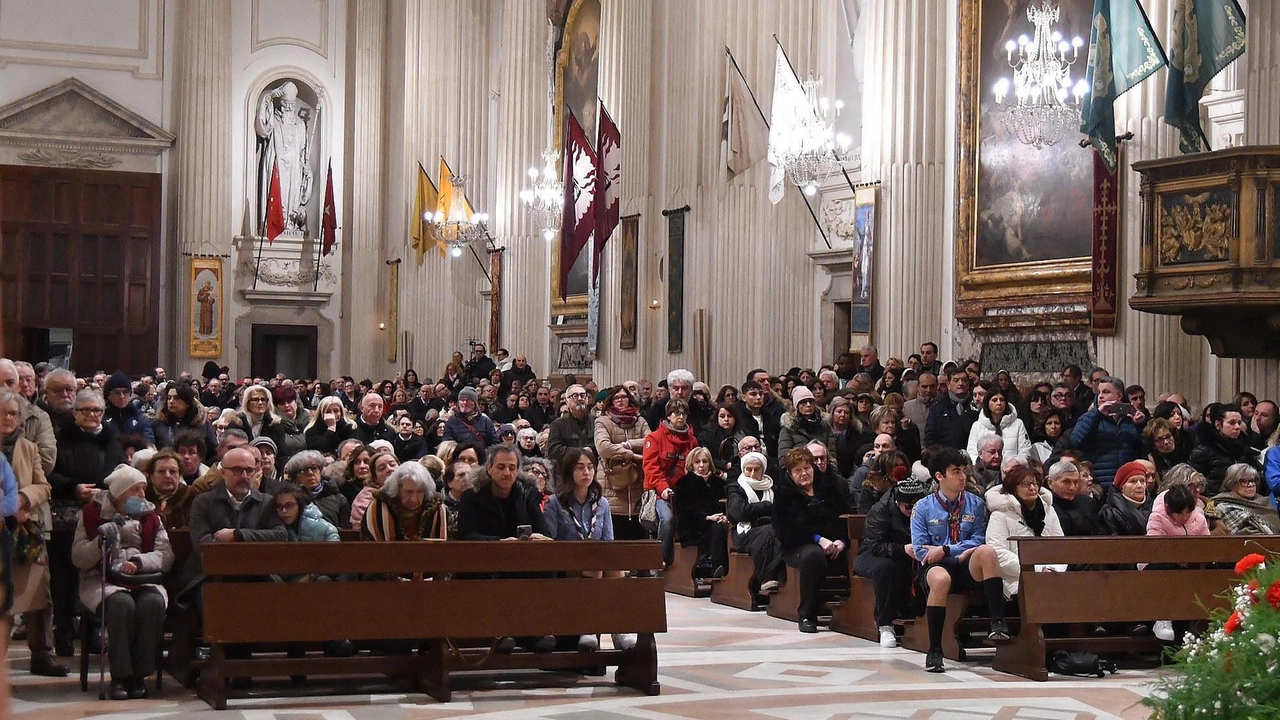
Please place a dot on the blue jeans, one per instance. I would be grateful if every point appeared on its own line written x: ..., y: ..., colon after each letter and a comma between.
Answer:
x: 666, y: 529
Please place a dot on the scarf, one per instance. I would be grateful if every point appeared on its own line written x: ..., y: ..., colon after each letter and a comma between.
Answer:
x: 625, y: 419
x: 957, y: 401
x: 1034, y: 515
x: 954, y: 511
x: 9, y: 444
x: 757, y: 491
x: 687, y: 429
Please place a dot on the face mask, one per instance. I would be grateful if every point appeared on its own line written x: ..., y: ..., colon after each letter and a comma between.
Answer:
x: 134, y: 506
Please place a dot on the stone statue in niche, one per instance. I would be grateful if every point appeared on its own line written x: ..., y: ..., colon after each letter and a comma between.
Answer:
x: 285, y: 122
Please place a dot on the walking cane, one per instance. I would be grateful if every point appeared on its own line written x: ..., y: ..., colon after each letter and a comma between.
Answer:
x: 102, y: 622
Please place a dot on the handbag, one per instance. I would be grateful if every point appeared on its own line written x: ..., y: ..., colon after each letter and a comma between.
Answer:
x: 621, y: 474
x: 648, y: 513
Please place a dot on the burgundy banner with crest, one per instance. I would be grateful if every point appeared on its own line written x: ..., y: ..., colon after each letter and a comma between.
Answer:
x: 608, y: 183
x: 579, y: 220
x: 1103, y: 303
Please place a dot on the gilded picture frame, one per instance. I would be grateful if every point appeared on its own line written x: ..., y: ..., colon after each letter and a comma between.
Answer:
x: 577, y: 80
x: 1034, y: 273
x: 205, y: 320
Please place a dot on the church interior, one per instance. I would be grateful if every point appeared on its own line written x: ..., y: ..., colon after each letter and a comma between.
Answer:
x: 615, y: 189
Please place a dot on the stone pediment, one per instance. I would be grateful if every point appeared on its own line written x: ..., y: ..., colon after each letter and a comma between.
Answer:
x: 69, y: 123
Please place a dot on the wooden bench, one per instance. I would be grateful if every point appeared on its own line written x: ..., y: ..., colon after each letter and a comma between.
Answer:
x: 785, y: 604
x: 1116, y: 593
x: 739, y: 588
x: 856, y: 616
x: 464, y: 602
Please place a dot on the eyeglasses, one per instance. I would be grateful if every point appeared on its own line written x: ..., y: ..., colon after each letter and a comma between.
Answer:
x: 237, y: 470
x: 576, y: 395
x: 1060, y: 396
x: 89, y: 411
x: 60, y: 390
x: 1248, y: 481
x: 1164, y: 439
x: 1029, y: 485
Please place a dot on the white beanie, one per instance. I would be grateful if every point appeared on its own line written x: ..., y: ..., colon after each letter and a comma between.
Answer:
x: 123, y: 478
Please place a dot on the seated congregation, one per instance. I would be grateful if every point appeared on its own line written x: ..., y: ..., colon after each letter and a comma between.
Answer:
x: 898, y: 499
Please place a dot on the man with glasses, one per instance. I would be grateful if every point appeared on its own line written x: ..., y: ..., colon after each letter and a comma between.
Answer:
x: 917, y: 409
x: 124, y: 412
x: 36, y: 424
x: 575, y: 429
x: 87, y: 453
x: 480, y: 364
x: 887, y: 557
x: 232, y: 511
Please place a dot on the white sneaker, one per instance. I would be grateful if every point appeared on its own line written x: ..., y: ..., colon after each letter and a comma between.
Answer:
x: 588, y: 643
x: 624, y: 641
x: 888, y: 639
x: 769, y: 587
x: 1163, y: 629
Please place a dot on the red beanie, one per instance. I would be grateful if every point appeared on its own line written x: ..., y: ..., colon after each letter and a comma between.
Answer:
x: 1128, y: 470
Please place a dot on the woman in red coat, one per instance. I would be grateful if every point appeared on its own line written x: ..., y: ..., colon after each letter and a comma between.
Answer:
x: 665, y: 450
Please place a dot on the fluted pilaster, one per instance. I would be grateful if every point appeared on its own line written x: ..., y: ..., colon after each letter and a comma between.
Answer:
x: 521, y: 122
x: 1262, y: 74
x: 363, y: 301
x: 905, y: 115
x: 203, y: 212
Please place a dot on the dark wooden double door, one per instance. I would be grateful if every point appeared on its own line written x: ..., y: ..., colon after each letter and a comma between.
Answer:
x: 80, y: 249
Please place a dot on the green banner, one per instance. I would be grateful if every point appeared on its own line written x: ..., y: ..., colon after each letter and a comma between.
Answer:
x: 1207, y: 36
x: 1123, y: 51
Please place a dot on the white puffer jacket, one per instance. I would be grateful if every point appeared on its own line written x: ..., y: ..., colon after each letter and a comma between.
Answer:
x: 1012, y: 430
x: 1005, y: 525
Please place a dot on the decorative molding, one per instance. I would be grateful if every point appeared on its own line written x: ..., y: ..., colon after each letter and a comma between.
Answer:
x: 257, y: 42
x: 838, y: 217
x: 69, y: 158
x: 278, y: 298
x: 73, y: 119
x: 284, y: 273
x: 150, y: 46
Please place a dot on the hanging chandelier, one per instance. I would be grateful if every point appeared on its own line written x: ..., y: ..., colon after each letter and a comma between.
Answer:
x: 461, y: 226
x: 546, y: 198
x: 1046, y: 103
x: 808, y: 148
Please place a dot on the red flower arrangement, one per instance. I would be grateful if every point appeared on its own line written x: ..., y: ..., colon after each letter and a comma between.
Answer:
x: 1273, y: 595
x: 1232, y: 624
x: 1249, y: 562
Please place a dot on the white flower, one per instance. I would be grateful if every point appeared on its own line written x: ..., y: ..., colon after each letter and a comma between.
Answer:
x: 1266, y: 642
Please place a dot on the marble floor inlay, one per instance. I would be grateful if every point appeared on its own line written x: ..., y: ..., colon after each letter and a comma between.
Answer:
x: 715, y: 663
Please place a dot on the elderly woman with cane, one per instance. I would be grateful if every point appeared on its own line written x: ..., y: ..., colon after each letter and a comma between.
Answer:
x: 122, y: 550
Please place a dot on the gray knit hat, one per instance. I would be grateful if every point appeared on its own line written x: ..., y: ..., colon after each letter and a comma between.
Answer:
x: 469, y: 393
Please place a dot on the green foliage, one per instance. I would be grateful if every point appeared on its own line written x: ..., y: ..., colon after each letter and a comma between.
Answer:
x: 1233, y: 671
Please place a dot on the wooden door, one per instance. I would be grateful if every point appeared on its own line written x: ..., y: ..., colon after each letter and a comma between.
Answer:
x: 80, y: 249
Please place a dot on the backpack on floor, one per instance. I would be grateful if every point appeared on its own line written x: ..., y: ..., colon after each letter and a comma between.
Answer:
x: 1081, y: 664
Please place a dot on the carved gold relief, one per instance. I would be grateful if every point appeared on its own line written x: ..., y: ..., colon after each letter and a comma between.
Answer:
x: 1194, y: 226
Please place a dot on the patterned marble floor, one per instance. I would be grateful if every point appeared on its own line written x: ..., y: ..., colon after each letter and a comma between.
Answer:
x: 715, y: 662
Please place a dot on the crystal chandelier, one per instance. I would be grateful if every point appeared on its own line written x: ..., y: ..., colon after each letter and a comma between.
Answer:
x: 461, y: 226
x: 1045, y: 104
x: 546, y: 198
x: 808, y: 149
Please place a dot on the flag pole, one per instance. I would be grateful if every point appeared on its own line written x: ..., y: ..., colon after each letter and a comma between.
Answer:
x: 760, y: 110
x: 834, y: 154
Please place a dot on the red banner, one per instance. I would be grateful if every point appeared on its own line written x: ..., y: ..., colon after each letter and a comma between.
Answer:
x: 275, y: 207
x: 1103, y: 303
x: 608, y: 183
x: 579, y: 199
x: 329, y: 226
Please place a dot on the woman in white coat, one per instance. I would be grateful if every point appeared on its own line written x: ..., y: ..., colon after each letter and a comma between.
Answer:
x: 999, y: 418
x: 134, y: 592
x: 1018, y: 508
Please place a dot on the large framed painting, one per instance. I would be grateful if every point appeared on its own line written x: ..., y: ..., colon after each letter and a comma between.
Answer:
x: 206, y: 307
x: 629, y: 280
x: 577, y: 83
x: 1023, y: 216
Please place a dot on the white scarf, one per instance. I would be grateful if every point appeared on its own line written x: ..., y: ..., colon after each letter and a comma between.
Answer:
x: 757, y: 491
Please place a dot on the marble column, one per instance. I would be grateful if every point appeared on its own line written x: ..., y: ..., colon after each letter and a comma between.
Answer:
x: 524, y: 116
x: 201, y: 185
x: 905, y: 119
x: 363, y: 302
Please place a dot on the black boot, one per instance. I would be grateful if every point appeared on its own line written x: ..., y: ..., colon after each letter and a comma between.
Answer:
x: 119, y: 689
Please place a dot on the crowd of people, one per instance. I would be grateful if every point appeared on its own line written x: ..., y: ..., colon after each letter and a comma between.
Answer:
x: 949, y: 464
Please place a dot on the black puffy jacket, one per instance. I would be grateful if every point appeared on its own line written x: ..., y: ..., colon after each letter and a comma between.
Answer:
x: 82, y: 459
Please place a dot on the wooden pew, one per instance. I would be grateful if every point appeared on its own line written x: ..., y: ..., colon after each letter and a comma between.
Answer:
x: 457, y: 576
x: 856, y: 616
x: 739, y: 587
x: 1118, y: 593
x: 785, y: 604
